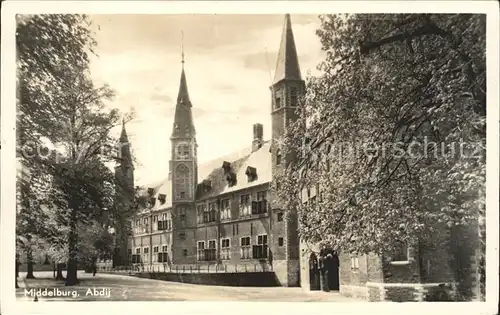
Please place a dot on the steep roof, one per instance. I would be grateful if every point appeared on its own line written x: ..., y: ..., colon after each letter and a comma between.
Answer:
x: 213, y: 172
x: 287, y: 64
x: 183, y: 119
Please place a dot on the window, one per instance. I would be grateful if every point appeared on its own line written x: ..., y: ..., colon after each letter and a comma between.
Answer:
x: 163, y: 255
x: 400, y: 251
x: 225, y: 210
x: 162, y: 224
x: 259, y: 251
x: 155, y: 249
x: 278, y: 157
x: 137, y: 257
x: 293, y: 96
x: 185, y: 252
x: 280, y: 216
x: 354, y: 263
x: 211, y: 251
x: 182, y: 236
x: 182, y: 181
x: 200, y: 212
x: 262, y: 239
x: 277, y: 99
x: 280, y: 241
x: 182, y: 215
x: 155, y: 218
x: 261, y: 195
x: 245, y: 248
x: 145, y: 221
x: 146, y: 250
x: 129, y: 251
x: 201, y: 251
x: 212, y: 212
x: 245, y: 205
x: 225, y: 251
x: 169, y: 221
x: 260, y: 205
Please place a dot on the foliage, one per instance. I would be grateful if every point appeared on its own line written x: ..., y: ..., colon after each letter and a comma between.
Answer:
x: 376, y: 132
x: 60, y: 106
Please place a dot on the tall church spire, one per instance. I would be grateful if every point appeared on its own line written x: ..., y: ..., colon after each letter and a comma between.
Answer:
x: 183, y: 119
x: 125, y: 155
x: 287, y: 65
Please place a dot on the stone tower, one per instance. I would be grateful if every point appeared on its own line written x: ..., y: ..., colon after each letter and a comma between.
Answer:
x: 286, y: 91
x: 184, y: 175
x: 124, y: 176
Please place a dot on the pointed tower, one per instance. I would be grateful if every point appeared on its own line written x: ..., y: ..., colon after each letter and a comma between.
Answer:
x: 124, y: 197
x: 286, y: 91
x: 184, y: 174
x: 125, y: 168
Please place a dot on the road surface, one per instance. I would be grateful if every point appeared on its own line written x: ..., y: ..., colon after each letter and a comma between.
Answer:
x: 111, y: 287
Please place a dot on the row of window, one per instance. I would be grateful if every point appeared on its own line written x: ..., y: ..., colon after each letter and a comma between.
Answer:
x: 160, y: 222
x: 167, y: 225
x: 278, y: 102
x: 247, y: 251
x: 247, y: 206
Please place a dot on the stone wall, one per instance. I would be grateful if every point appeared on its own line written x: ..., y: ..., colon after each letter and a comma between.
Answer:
x: 249, y: 279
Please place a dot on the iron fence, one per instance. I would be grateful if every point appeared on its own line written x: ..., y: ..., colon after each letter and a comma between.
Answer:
x: 216, y: 268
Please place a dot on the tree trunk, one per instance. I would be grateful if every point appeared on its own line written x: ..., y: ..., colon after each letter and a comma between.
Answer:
x: 59, y: 275
x: 17, y: 272
x: 71, y: 277
x: 29, y: 257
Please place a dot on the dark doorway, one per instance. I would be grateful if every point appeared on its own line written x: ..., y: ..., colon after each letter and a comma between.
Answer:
x: 331, y: 267
x: 314, y: 281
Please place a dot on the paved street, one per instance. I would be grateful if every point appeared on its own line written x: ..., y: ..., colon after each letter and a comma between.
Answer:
x: 127, y: 288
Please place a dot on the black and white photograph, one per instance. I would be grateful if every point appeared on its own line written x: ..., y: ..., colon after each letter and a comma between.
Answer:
x: 282, y: 156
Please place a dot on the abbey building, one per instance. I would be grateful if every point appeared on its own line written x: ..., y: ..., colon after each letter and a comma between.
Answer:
x: 221, y: 213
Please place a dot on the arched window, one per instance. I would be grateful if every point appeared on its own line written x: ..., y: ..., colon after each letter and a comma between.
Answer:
x: 182, y: 182
x: 278, y: 157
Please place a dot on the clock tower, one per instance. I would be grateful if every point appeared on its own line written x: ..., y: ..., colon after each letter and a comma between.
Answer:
x: 184, y: 176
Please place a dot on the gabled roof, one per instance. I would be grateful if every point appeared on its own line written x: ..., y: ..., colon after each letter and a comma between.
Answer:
x: 287, y: 64
x: 260, y: 160
x: 183, y: 119
x: 213, y: 172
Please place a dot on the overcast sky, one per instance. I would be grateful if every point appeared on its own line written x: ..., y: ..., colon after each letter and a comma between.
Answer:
x: 227, y: 73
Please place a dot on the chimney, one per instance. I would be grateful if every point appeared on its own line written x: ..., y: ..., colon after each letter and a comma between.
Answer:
x: 257, y: 137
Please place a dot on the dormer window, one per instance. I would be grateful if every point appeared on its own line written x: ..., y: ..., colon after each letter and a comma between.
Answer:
x: 231, y: 179
x: 162, y: 198
x: 251, y: 172
x: 226, y: 166
x: 152, y: 202
x: 278, y: 157
x: 293, y: 96
x: 151, y: 192
x: 207, y: 185
x: 277, y: 99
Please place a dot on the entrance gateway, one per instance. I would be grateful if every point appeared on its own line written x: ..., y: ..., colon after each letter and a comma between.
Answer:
x: 324, y: 271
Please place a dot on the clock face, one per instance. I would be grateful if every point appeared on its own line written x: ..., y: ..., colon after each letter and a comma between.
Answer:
x: 183, y: 151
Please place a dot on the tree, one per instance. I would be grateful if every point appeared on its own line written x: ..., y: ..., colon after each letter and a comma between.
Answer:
x: 60, y: 105
x: 377, y: 129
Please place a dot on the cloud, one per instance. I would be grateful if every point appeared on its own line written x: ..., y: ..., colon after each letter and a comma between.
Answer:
x: 227, y: 73
x: 158, y: 96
